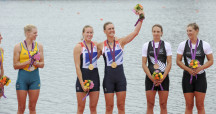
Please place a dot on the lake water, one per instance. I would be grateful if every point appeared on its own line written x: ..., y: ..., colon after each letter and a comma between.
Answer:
x: 60, y: 25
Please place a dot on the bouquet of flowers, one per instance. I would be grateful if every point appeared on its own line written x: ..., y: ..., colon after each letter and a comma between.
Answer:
x: 88, y: 84
x: 35, y: 56
x: 157, y: 75
x: 136, y: 9
x: 194, y: 64
x: 4, y: 81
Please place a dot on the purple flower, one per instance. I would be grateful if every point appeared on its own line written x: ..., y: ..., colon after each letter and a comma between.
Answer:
x: 37, y: 56
x: 91, y: 85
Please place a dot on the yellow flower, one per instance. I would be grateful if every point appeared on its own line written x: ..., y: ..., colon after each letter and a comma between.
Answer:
x: 31, y: 53
x: 194, y: 67
x: 9, y: 81
x: 161, y: 76
x: 87, y: 84
x: 196, y: 62
x: 7, y: 84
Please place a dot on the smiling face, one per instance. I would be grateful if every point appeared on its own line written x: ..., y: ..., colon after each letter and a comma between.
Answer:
x: 191, y: 32
x: 0, y: 38
x: 157, y: 32
x: 32, y: 34
x: 88, y: 33
x: 109, y: 30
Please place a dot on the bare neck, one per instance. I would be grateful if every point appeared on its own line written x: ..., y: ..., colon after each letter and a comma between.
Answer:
x: 156, y: 40
x: 87, y: 42
x: 110, y: 39
x: 194, y: 40
x: 29, y: 41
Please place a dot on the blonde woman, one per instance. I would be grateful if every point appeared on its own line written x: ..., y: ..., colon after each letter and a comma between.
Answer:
x: 194, y: 83
x: 85, y: 59
x: 28, y: 80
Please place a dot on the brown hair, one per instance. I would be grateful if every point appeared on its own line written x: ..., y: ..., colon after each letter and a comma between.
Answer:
x: 105, y: 24
x: 194, y: 26
x: 158, y: 25
x: 87, y: 26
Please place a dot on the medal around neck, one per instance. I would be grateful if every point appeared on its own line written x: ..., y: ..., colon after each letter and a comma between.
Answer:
x: 91, y: 67
x: 156, y: 66
x: 113, y: 65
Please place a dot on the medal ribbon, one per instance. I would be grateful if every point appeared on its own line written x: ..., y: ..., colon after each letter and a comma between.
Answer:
x: 89, y: 53
x: 30, y: 57
x: 193, y: 55
x: 112, y: 52
x: 156, y: 54
x: 85, y: 96
x: 156, y: 60
x: 160, y: 87
x: 3, y: 92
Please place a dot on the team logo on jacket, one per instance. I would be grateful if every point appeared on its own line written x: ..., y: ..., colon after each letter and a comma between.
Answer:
x: 162, y: 66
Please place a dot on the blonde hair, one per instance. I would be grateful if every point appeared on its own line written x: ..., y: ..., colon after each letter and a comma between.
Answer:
x: 87, y: 26
x: 28, y: 28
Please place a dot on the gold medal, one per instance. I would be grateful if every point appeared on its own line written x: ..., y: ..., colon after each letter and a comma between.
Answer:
x: 113, y: 65
x: 156, y: 66
x: 91, y: 67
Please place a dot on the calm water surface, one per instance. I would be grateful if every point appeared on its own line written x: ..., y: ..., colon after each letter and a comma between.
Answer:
x: 60, y: 25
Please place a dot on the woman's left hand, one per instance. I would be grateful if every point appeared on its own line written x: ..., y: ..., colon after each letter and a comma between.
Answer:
x: 35, y: 63
x: 159, y: 82
x: 197, y: 70
x: 140, y: 12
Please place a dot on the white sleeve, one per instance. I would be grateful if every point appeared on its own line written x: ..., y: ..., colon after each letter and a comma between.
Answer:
x: 168, y: 49
x: 181, y: 47
x: 207, y: 48
x: 144, y: 49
